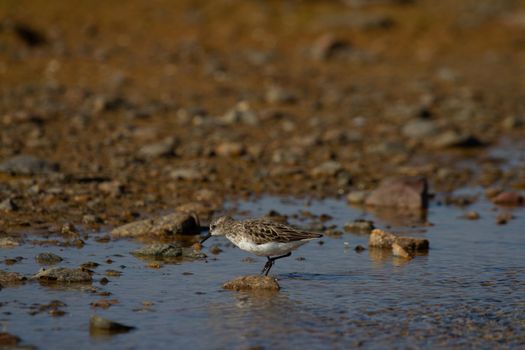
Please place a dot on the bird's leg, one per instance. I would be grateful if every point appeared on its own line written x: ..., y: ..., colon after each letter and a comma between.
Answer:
x: 267, y: 266
x: 271, y: 261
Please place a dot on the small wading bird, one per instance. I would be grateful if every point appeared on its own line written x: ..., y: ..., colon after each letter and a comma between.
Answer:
x: 261, y: 237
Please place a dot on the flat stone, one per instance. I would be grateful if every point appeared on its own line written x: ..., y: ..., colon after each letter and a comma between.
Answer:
x: 175, y: 223
x: 99, y: 324
x: 168, y: 251
x: 382, y: 239
x: 254, y: 283
x: 24, y: 164
x: 405, y: 192
x: 7, y: 278
x: 63, y: 275
x: 48, y: 259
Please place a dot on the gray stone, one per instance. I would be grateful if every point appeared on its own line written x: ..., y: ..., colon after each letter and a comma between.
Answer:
x: 175, y: 223
x: 168, y: 251
x: 48, y: 259
x: 253, y: 283
x: 63, y: 275
x: 24, y: 164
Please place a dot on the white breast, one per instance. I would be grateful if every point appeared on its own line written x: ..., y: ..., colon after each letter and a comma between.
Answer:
x: 266, y: 249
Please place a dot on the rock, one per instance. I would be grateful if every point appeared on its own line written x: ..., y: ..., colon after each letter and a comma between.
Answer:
x: 163, y: 148
x: 8, y: 205
x: 241, y: 113
x: 382, y: 239
x: 63, y: 275
x: 472, y: 215
x: 405, y: 192
x: 8, y: 242
x: 508, y: 198
x: 187, y: 174
x: 98, y: 324
x: 7, y: 278
x: 452, y: 138
x: 503, y: 218
x: 48, y: 259
x: 175, y: 223
x: 327, y: 169
x: 230, y: 149
x: 419, y: 129
x: 8, y: 341
x: 328, y: 46
x: 254, y: 282
x: 359, y: 248
x: 401, y: 252
x: 356, y: 197
x: 359, y: 226
x: 168, y: 251
x: 279, y: 95
x: 27, y: 165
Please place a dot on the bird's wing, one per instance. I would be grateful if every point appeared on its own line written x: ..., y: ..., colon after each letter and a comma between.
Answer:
x: 264, y: 231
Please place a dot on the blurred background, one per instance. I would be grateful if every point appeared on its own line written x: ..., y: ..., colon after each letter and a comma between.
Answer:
x: 145, y: 105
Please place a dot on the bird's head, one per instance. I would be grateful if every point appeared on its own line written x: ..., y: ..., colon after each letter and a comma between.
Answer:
x: 219, y: 227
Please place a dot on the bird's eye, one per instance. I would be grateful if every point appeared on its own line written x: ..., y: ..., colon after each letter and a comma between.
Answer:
x: 212, y: 227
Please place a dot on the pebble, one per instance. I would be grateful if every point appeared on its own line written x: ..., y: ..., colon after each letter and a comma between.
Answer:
x: 230, y: 149
x: 279, y: 95
x: 503, y: 218
x: 175, y: 223
x: 241, y: 113
x: 452, y: 138
x: 215, y: 250
x: 98, y: 324
x: 360, y: 226
x: 187, y: 174
x: 356, y: 197
x: 27, y: 165
x: 63, y: 275
x: 48, y: 259
x: 328, y: 46
x: 8, y: 205
x: 164, y: 148
x: 404, y: 192
x: 359, y: 248
x: 253, y: 283
x: 472, y: 215
x: 419, y: 129
x: 103, y: 303
x: 327, y: 169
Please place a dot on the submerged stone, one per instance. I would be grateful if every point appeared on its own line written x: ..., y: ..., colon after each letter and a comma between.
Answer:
x: 99, y: 324
x: 253, y: 282
x: 167, y: 251
x: 63, y: 275
x: 382, y: 239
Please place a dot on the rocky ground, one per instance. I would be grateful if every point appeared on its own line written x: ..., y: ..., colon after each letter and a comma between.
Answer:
x: 114, y: 112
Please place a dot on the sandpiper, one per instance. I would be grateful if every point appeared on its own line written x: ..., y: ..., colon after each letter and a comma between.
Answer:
x: 261, y: 236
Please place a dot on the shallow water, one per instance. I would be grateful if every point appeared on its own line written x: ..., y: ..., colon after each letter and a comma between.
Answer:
x: 469, y: 291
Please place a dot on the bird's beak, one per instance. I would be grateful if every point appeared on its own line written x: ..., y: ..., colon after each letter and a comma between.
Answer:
x: 205, y: 238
